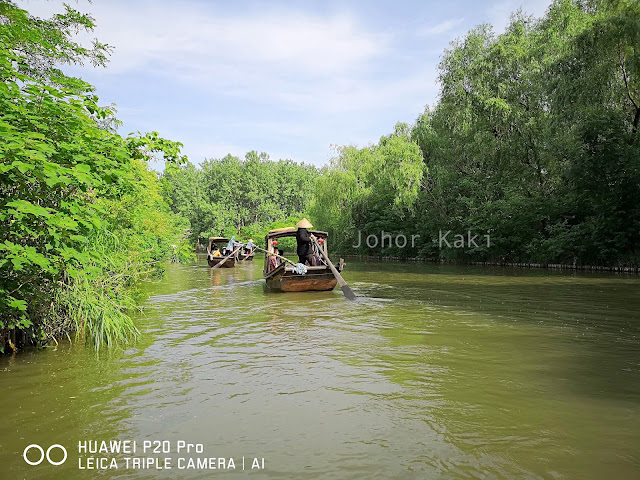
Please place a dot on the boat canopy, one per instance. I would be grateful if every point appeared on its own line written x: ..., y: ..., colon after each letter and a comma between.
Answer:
x: 214, y: 240
x: 291, y: 232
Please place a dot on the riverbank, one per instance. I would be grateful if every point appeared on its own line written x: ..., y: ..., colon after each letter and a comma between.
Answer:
x: 549, y: 266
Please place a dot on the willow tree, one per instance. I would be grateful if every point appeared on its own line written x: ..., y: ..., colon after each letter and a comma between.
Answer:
x: 369, y: 189
x: 534, y: 136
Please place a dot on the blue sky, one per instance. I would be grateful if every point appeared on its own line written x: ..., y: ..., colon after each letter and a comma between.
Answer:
x: 287, y: 78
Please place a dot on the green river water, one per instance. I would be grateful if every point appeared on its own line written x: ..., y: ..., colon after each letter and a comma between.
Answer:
x: 434, y: 372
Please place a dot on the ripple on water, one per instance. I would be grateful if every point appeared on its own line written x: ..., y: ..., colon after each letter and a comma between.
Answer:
x: 434, y: 372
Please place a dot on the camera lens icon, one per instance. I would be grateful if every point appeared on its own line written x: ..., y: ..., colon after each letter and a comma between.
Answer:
x: 44, y: 455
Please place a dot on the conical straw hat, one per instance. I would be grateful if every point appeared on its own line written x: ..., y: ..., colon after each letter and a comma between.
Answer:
x: 304, y: 223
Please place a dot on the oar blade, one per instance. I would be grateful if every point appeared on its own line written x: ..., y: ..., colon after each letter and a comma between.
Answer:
x: 346, y: 289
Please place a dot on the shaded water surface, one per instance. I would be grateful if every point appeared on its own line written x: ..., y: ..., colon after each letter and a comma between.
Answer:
x: 435, y: 372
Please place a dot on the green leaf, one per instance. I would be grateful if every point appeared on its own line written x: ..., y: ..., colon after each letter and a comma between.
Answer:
x: 24, y: 206
x: 19, y: 304
x: 23, y: 167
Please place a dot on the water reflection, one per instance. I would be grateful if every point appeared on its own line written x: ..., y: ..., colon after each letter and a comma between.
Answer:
x: 434, y: 371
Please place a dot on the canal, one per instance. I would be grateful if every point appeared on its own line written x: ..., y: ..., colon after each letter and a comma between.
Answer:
x: 434, y: 372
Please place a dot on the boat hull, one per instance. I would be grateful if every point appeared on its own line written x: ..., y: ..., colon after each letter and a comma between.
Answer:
x: 228, y: 263
x: 246, y: 258
x: 311, y: 282
x: 281, y: 276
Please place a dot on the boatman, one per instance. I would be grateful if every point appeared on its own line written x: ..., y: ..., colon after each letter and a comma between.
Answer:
x: 248, y: 248
x: 303, y: 239
x: 231, y: 246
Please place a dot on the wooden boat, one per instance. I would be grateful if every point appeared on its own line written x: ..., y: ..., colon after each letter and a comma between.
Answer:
x: 246, y: 257
x: 282, y: 277
x: 213, y: 261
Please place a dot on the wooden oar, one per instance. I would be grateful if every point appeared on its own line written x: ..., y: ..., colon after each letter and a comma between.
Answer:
x: 275, y: 255
x: 226, y: 258
x: 346, y: 289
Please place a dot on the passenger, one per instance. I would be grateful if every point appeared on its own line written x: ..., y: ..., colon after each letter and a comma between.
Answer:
x: 216, y: 252
x: 277, y: 251
x: 303, y: 240
x: 274, y: 261
x: 317, y: 255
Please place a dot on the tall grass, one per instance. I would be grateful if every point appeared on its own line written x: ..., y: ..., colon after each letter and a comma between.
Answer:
x: 92, y: 303
x: 95, y: 309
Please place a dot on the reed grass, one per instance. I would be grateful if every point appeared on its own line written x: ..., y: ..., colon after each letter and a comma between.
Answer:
x: 92, y: 304
x: 96, y: 311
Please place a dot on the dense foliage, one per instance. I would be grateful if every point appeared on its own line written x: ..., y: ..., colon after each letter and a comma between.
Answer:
x: 369, y: 189
x: 534, y: 139
x: 81, y: 216
x: 229, y: 196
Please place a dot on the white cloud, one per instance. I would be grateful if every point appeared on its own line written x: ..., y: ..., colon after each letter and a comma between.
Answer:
x: 360, y: 95
x: 279, y: 80
x: 200, y: 40
x: 302, y: 60
x: 440, y: 28
x: 194, y: 37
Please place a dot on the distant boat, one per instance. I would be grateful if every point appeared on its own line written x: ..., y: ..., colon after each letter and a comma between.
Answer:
x: 221, y: 242
x: 247, y: 256
x: 282, y: 276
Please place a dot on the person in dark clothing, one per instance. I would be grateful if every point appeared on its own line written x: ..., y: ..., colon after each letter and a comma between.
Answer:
x: 303, y: 239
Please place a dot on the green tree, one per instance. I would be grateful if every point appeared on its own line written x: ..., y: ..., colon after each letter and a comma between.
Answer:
x: 225, y: 196
x: 81, y: 217
x: 369, y: 189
